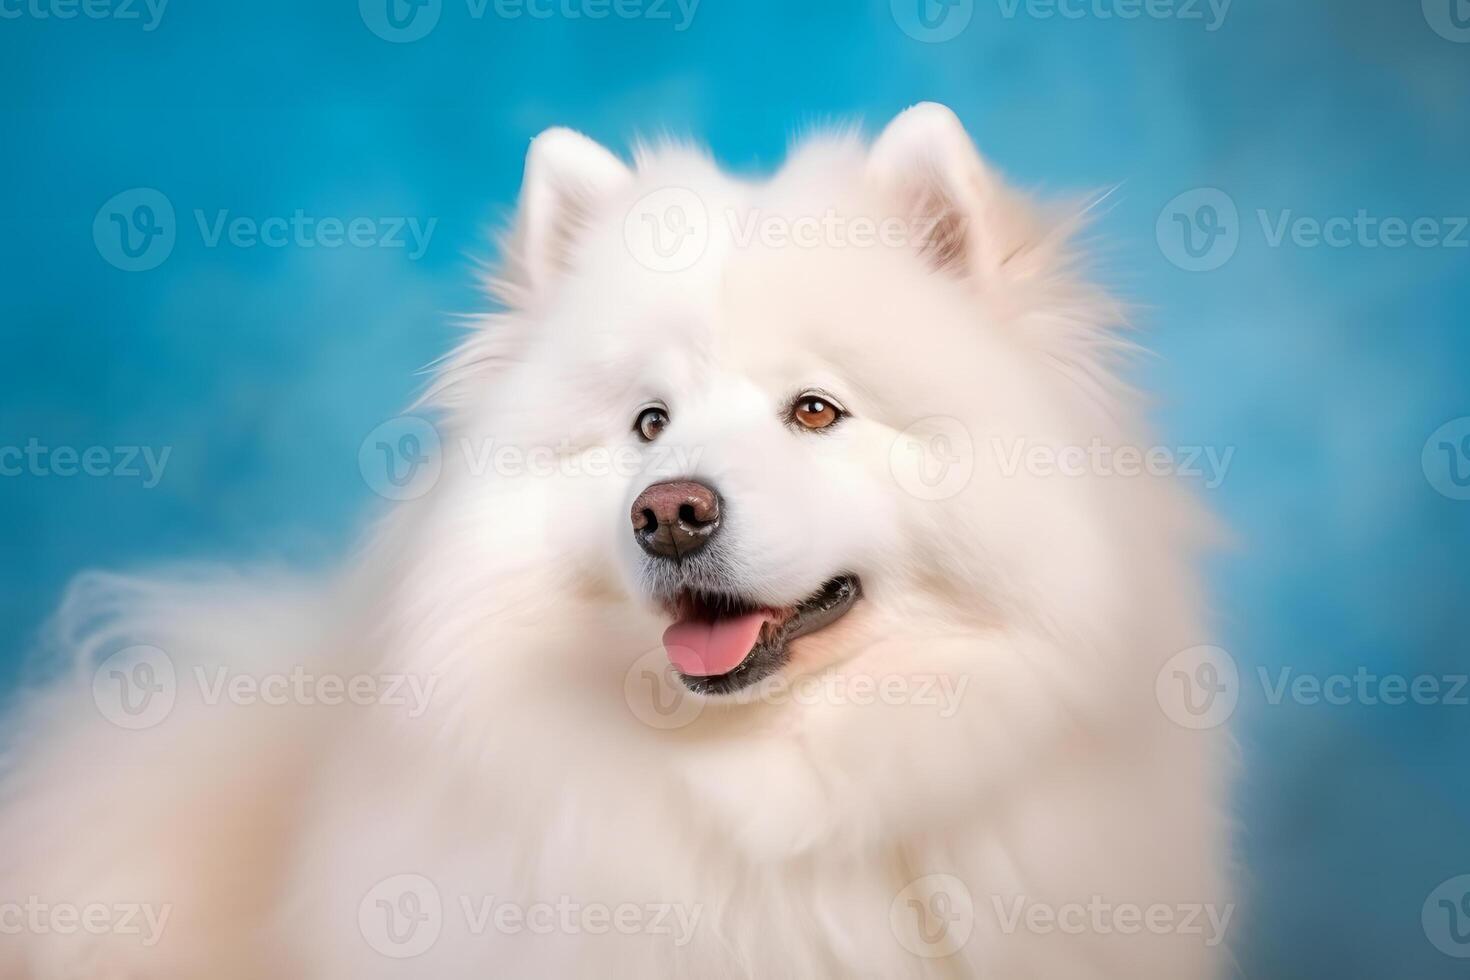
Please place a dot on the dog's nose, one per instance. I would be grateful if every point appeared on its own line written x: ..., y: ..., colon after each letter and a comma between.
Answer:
x: 675, y: 519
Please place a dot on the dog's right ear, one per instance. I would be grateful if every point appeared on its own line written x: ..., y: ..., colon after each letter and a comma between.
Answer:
x: 567, y: 174
x: 968, y: 222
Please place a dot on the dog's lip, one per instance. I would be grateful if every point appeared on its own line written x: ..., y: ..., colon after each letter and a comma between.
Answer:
x: 829, y: 604
x: 820, y: 609
x: 782, y: 626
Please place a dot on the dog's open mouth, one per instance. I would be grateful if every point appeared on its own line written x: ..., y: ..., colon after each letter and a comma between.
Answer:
x: 720, y: 643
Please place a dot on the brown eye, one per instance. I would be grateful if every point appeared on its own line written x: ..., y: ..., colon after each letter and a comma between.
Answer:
x: 651, y: 422
x: 814, y: 411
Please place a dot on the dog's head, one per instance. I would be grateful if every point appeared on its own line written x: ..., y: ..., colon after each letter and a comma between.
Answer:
x: 779, y: 413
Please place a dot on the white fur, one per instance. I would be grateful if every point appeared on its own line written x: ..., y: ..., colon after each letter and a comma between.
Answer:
x: 789, y: 828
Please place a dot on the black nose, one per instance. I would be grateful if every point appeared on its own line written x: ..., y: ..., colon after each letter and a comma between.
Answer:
x: 672, y: 520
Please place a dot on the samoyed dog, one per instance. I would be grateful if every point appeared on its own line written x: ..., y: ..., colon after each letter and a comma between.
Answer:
x: 736, y: 616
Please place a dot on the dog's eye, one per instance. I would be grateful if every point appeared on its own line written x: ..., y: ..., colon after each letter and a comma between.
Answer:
x: 815, y: 411
x: 651, y: 422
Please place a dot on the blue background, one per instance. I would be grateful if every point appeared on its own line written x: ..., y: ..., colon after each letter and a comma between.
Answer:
x: 1326, y: 368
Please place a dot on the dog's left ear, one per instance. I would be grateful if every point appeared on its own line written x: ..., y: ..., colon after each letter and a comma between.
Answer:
x: 567, y: 175
x: 966, y: 220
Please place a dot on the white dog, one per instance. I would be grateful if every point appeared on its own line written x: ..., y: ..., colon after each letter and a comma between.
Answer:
x: 737, y: 629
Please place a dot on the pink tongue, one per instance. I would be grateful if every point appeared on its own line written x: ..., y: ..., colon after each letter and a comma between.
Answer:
x: 701, y: 649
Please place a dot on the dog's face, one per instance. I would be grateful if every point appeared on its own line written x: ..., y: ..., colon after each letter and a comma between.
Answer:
x: 798, y: 373
x: 769, y: 498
